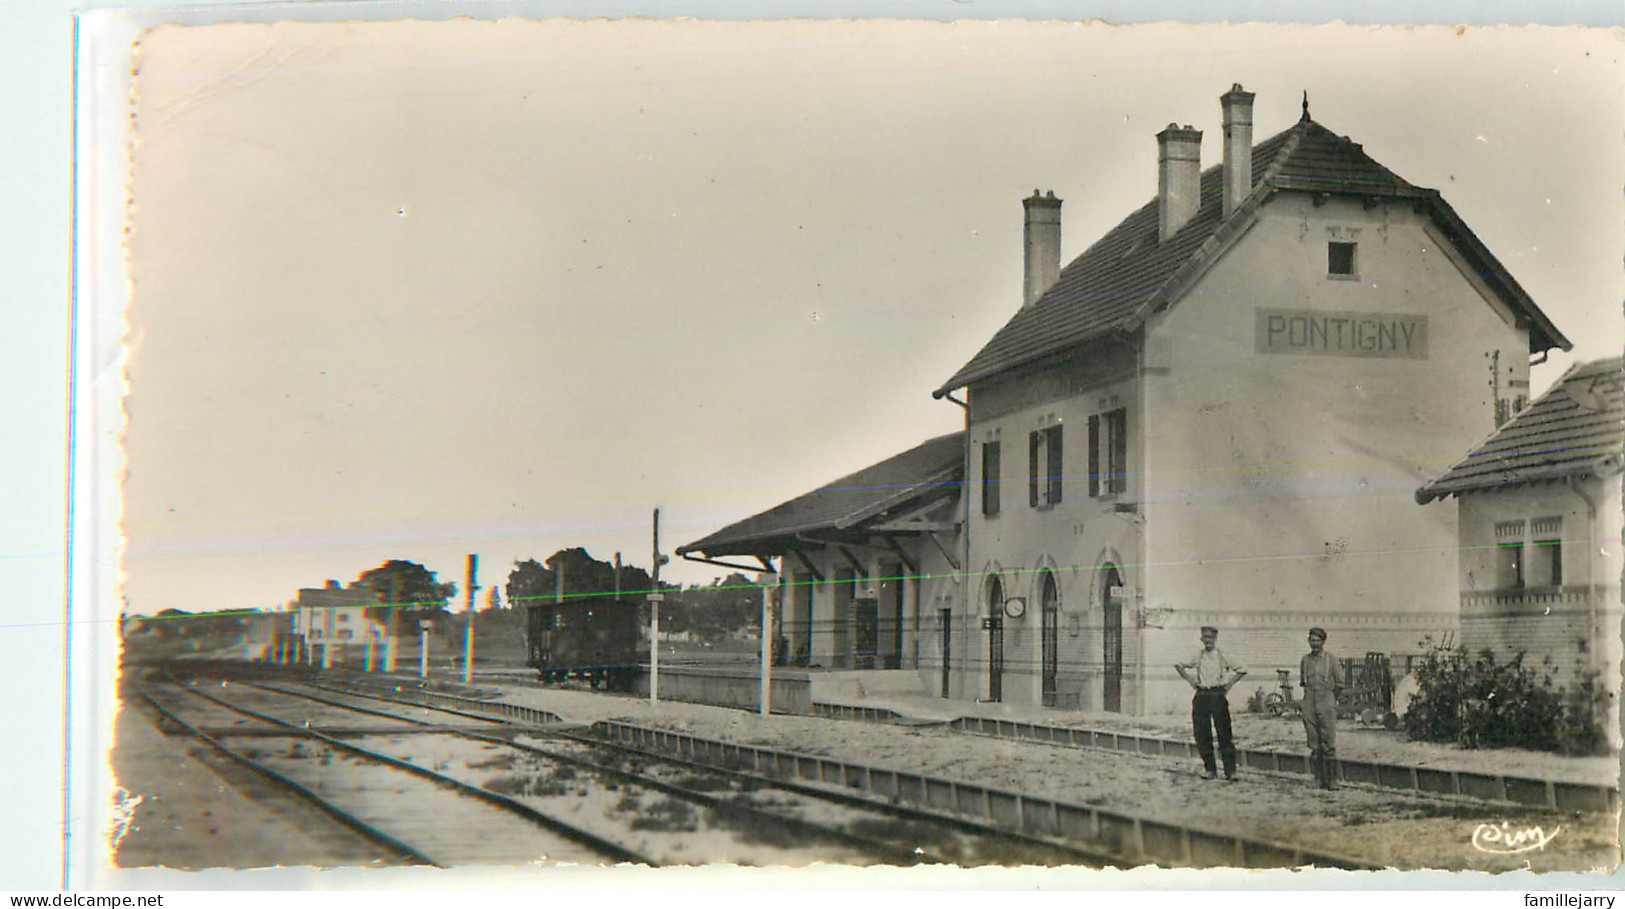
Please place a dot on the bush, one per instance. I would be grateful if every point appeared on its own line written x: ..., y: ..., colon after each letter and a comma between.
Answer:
x: 1478, y: 702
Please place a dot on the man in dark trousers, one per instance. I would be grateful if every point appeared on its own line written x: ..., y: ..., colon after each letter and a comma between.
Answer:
x: 1212, y: 673
x: 1318, y: 673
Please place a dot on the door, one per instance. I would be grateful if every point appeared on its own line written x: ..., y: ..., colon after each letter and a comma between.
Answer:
x: 894, y: 659
x: 866, y: 628
x: 995, y: 658
x: 945, y: 617
x: 995, y: 641
x: 1111, y: 640
x: 1050, y: 638
x: 841, y: 613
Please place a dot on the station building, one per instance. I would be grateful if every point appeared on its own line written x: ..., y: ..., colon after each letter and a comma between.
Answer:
x: 1218, y: 415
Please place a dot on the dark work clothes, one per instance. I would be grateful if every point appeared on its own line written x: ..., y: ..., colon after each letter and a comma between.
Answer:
x: 1210, y: 712
x: 1320, y: 683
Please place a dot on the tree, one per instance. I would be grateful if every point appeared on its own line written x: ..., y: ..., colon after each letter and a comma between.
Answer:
x: 533, y: 583
x: 529, y: 584
x: 712, y: 612
x: 408, y: 587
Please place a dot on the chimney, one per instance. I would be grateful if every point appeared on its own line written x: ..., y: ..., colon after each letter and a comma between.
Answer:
x: 1238, y: 146
x: 1041, y: 234
x: 1179, y: 177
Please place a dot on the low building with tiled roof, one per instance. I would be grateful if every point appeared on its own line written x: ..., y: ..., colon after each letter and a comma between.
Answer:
x: 1217, y: 415
x: 1538, y: 507
x: 861, y: 557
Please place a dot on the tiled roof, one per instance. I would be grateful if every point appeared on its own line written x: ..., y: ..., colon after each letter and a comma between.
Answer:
x: 1127, y: 274
x: 1576, y: 428
x: 933, y: 468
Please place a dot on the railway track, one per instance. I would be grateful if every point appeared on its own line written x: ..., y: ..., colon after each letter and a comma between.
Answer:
x: 1106, y: 838
x: 674, y: 812
x: 419, y: 813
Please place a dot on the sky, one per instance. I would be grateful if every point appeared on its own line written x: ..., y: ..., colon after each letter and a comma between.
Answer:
x: 416, y: 290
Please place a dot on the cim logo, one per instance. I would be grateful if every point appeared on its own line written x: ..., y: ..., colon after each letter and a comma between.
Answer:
x: 1503, y: 839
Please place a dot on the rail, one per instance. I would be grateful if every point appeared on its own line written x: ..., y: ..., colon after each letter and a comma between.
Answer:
x: 597, y: 843
x: 367, y: 831
x: 449, y: 703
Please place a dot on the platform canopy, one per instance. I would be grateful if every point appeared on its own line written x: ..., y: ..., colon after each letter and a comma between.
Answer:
x: 914, y: 492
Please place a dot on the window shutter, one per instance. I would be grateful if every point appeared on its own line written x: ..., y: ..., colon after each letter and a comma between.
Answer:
x: 1054, y: 438
x: 1120, y: 452
x: 990, y: 478
x: 1094, y: 456
x: 1032, y: 468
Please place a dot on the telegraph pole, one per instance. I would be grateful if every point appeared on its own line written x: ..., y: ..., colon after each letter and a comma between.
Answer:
x: 423, y: 648
x: 468, y: 639
x: 393, y: 611
x: 654, y: 618
x: 328, y: 631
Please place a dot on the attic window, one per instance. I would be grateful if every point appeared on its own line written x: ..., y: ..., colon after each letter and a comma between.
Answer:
x: 1340, y: 260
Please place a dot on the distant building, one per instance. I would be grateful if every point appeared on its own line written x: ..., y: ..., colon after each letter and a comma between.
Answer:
x: 1540, y: 521
x: 338, y: 616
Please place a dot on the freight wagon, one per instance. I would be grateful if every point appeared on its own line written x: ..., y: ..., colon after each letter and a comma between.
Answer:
x: 599, y: 641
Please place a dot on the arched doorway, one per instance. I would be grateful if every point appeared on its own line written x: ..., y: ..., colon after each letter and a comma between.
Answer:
x: 1111, y: 639
x: 995, y: 639
x: 1050, y: 637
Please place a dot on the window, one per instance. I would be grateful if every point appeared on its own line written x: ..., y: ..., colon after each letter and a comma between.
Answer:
x: 1044, y: 467
x: 1547, y: 563
x: 990, y: 478
x: 1340, y: 259
x: 1509, y: 566
x: 1108, y: 453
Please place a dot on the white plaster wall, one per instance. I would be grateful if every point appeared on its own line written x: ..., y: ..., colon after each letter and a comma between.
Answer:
x: 1279, y: 487
x: 1547, y: 622
x: 1071, y: 539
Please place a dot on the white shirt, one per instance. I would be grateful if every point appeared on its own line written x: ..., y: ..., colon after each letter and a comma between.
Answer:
x: 1212, y: 667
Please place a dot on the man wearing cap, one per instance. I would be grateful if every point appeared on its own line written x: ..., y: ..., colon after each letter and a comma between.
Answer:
x: 1318, y: 673
x: 1212, y: 673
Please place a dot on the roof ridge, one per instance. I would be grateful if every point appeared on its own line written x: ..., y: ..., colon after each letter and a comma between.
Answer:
x: 1128, y: 274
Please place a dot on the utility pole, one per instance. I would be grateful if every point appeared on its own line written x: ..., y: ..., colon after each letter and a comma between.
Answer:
x: 328, y: 631
x: 768, y: 582
x: 393, y: 614
x: 468, y: 639
x: 423, y: 648
x: 654, y: 618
